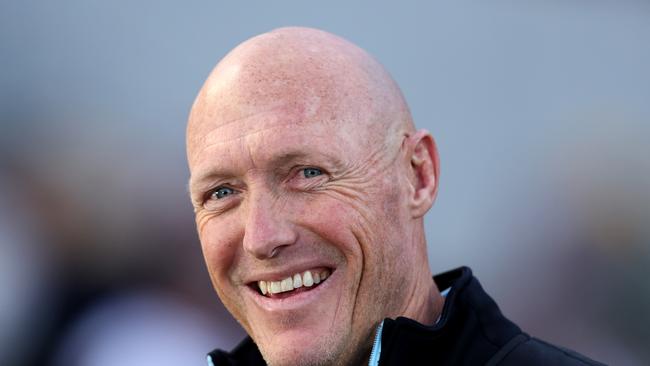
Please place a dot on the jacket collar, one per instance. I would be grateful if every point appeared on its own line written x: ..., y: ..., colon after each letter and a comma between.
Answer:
x: 470, y: 330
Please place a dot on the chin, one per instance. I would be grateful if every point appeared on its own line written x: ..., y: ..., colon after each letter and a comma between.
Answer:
x: 282, y: 355
x: 329, y: 346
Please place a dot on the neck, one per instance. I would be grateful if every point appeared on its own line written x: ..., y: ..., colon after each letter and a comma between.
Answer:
x: 424, y: 301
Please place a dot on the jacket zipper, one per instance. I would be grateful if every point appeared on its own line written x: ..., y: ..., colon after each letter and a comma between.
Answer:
x: 376, y: 347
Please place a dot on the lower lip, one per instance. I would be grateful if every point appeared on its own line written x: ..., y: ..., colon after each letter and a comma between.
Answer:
x: 296, y: 300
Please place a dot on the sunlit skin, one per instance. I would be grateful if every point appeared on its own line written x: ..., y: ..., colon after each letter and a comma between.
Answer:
x: 303, y: 155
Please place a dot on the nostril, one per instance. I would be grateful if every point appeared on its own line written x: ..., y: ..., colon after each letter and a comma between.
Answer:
x: 269, y: 247
x: 274, y: 252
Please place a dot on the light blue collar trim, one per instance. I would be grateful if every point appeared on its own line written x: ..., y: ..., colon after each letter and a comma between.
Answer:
x: 376, y: 346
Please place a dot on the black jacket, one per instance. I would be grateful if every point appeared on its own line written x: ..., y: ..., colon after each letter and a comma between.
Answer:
x: 471, y: 331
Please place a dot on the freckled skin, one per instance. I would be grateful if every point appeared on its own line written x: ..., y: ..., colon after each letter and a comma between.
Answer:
x: 296, y: 98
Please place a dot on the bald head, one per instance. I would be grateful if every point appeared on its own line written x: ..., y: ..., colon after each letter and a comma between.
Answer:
x: 315, y: 76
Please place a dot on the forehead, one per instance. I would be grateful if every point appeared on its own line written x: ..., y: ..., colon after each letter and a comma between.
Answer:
x: 273, y: 135
x: 271, y: 119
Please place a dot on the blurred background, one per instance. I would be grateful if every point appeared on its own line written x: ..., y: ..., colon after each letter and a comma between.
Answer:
x: 541, y: 111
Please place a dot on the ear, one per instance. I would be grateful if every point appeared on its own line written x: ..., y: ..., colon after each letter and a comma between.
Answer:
x: 425, y: 170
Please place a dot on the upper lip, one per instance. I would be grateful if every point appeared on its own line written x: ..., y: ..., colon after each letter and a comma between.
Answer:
x: 284, y: 272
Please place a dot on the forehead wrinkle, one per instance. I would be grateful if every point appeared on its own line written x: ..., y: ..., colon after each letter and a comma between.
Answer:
x: 279, y: 114
x: 244, y: 117
x: 243, y: 134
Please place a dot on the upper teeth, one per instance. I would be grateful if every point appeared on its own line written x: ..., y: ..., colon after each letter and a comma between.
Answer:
x: 307, y: 279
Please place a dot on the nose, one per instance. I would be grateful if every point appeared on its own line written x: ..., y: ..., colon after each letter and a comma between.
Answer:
x: 267, y: 228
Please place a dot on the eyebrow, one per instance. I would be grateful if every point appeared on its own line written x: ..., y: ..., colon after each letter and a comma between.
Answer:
x: 279, y: 160
x: 199, y: 183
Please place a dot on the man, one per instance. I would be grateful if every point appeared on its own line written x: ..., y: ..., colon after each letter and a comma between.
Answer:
x: 310, y: 183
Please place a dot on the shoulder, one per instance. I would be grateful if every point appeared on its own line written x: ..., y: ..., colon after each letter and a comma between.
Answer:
x: 532, y: 351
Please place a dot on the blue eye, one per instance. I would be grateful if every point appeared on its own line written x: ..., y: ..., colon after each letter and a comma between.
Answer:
x: 311, y: 172
x: 222, y: 192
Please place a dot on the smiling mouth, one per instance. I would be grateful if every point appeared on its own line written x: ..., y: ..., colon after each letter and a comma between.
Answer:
x: 299, y: 282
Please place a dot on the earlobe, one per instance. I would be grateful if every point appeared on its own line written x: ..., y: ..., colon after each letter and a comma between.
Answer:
x: 425, y: 171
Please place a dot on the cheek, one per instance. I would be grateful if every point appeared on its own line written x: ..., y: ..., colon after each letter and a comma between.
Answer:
x: 218, y: 238
x: 219, y: 242
x: 358, y: 232
x: 334, y: 220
